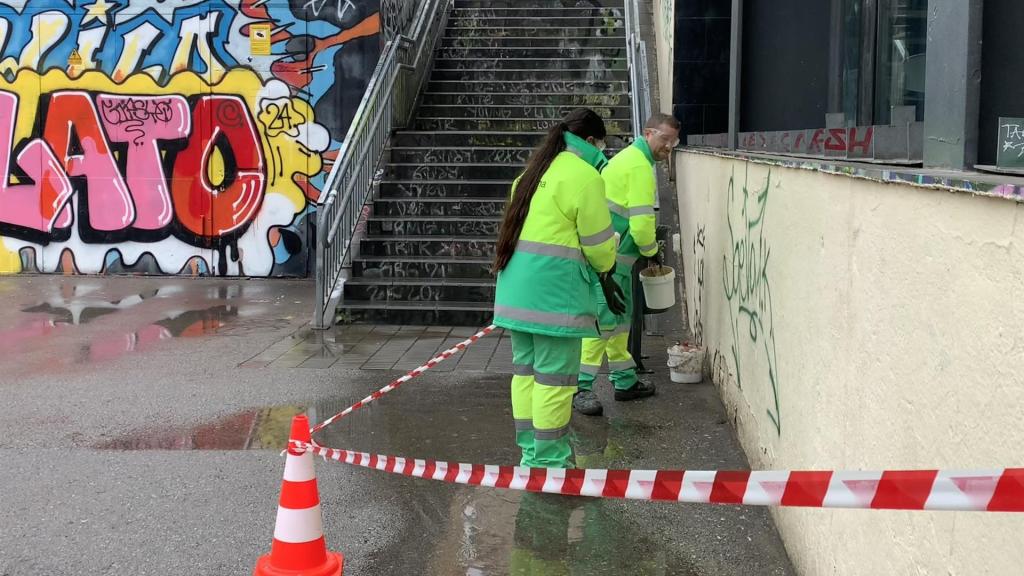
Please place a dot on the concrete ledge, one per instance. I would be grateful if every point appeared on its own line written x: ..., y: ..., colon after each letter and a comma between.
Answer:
x: 974, y: 183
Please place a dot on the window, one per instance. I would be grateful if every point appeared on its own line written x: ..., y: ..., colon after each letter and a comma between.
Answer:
x: 881, y: 64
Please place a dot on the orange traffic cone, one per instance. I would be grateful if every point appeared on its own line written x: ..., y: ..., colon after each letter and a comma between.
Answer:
x: 299, y: 548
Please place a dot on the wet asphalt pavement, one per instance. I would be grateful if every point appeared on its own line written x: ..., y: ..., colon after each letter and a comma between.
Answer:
x: 133, y: 442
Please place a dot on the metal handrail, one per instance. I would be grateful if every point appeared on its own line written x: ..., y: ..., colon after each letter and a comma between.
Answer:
x: 387, y: 103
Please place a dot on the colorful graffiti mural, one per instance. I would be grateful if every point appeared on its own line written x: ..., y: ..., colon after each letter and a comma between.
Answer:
x: 145, y: 136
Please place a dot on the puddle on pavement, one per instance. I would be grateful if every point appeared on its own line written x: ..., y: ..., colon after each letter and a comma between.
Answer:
x: 179, y: 322
x: 73, y: 307
x: 387, y: 427
x: 189, y: 324
x: 461, y: 530
x: 521, y: 533
x: 259, y: 429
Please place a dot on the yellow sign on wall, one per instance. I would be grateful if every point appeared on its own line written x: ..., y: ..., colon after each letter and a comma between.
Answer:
x: 259, y: 39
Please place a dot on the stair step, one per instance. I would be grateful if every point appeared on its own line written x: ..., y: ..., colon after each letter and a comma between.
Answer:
x: 452, y: 207
x: 486, y: 139
x: 419, y: 305
x: 519, y: 11
x: 384, y: 290
x: 406, y: 246
x: 409, y: 314
x: 555, y: 86
x: 496, y: 4
x: 610, y: 23
x: 528, y: 30
x: 452, y: 189
x: 476, y: 282
x: 475, y: 64
x: 533, y: 100
x: 594, y: 74
x: 481, y: 171
x: 506, y: 53
x: 533, y: 111
x: 561, y: 42
x: 620, y: 127
x: 421, y: 267
x: 456, y: 154
x: 432, y: 226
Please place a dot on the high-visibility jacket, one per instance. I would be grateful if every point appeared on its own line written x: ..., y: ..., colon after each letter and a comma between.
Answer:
x: 547, y: 286
x: 629, y: 188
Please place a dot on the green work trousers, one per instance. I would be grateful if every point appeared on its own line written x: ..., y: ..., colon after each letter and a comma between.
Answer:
x: 546, y: 369
x: 620, y: 362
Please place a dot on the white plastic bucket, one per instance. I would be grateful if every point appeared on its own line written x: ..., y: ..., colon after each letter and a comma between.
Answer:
x: 686, y: 377
x: 659, y: 291
x: 686, y: 364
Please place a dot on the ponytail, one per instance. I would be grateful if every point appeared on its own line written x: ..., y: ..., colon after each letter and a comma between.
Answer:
x: 582, y: 122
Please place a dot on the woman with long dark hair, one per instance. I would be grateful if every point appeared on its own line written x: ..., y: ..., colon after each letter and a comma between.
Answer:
x: 555, y: 238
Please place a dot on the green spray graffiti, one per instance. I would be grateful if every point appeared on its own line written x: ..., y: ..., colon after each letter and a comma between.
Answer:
x: 745, y: 277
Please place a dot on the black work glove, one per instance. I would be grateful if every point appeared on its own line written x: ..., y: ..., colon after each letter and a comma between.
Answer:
x: 613, y: 294
x: 657, y: 260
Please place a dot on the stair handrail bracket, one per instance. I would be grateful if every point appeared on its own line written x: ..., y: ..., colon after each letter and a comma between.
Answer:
x: 387, y: 103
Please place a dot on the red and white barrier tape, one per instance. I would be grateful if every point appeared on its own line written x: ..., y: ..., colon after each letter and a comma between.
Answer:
x: 395, y: 384
x: 998, y: 490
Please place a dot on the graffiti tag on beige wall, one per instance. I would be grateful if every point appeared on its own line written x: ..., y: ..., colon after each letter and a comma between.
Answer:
x: 747, y: 286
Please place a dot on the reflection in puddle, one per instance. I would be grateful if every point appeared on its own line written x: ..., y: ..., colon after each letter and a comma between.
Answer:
x: 71, y: 308
x: 190, y: 324
x: 522, y: 533
x: 259, y: 429
x: 175, y: 324
x: 21, y: 335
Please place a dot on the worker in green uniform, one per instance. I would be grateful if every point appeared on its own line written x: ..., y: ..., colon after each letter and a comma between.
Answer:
x: 556, y: 248
x: 630, y: 189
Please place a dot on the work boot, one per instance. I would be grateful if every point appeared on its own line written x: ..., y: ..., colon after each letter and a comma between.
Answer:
x: 585, y: 402
x: 639, y: 390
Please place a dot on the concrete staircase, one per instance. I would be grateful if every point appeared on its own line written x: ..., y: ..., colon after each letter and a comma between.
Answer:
x: 501, y: 76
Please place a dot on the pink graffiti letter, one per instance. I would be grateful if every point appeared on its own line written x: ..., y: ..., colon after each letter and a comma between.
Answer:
x: 141, y: 121
x: 34, y: 206
x: 109, y: 201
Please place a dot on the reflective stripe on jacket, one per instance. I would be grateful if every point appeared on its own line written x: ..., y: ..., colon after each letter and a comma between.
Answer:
x: 547, y: 286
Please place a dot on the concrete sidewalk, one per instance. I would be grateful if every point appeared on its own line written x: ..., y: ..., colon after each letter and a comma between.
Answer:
x: 142, y: 422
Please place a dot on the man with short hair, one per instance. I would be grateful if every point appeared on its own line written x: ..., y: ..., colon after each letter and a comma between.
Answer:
x: 629, y: 189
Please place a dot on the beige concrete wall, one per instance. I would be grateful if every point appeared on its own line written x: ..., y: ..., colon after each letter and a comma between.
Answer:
x: 664, y: 33
x: 853, y: 324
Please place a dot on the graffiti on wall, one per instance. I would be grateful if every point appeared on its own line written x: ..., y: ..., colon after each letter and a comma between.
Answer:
x: 144, y: 136
x: 697, y: 293
x: 668, y: 23
x: 747, y: 286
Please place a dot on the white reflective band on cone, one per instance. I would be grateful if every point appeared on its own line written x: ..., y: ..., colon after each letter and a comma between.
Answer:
x: 299, y: 468
x: 298, y: 526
